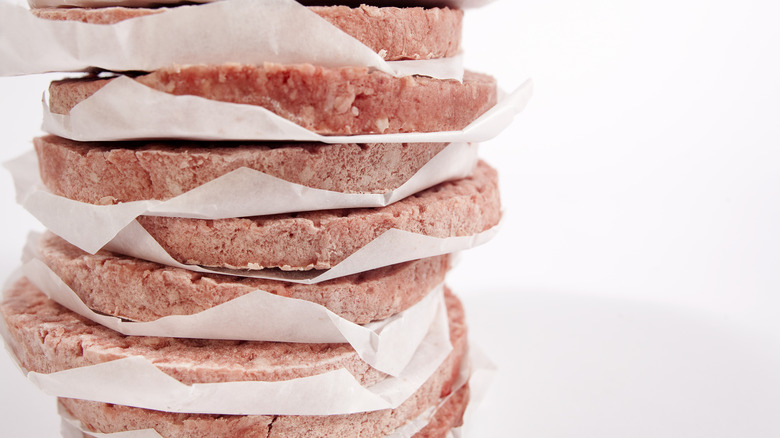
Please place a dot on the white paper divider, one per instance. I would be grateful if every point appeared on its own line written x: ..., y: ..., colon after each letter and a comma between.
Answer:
x: 462, y: 4
x: 241, y: 193
x: 236, y: 31
x: 386, y: 345
x: 439, y: 68
x: 136, y: 382
x: 125, y: 109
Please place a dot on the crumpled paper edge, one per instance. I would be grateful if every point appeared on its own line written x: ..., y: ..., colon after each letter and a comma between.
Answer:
x: 124, y: 109
x: 134, y: 381
x: 241, y: 31
x: 386, y: 345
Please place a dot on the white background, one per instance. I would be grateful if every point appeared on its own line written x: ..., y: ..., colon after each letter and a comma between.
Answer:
x: 634, y: 289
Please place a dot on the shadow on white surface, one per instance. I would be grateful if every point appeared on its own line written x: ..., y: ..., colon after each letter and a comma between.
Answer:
x: 576, y: 366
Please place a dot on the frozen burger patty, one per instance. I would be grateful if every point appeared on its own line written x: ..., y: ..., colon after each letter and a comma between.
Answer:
x: 394, y: 33
x: 111, y: 172
x: 328, y: 101
x: 322, y: 239
x: 140, y: 290
x: 108, y: 418
x: 47, y: 337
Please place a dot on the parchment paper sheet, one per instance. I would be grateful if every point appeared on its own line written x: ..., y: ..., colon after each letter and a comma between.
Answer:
x: 240, y: 31
x: 386, y: 345
x: 125, y: 109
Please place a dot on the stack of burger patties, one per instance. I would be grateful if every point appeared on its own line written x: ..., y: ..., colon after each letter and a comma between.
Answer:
x: 253, y: 206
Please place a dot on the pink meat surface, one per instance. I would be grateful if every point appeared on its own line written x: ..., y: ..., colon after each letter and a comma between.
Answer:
x: 111, y: 172
x: 143, y: 291
x: 394, y: 33
x: 328, y: 101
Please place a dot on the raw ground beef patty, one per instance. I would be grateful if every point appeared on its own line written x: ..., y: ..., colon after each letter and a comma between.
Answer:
x: 328, y: 101
x: 322, y: 239
x: 393, y: 33
x: 140, y: 290
x: 111, y: 172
